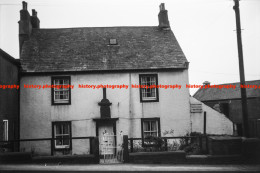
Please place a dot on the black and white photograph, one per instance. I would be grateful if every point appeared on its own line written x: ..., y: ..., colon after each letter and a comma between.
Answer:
x: 129, y: 86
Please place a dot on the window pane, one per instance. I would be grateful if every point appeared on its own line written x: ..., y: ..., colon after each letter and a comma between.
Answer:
x: 57, y: 95
x: 59, y: 141
x: 61, y: 95
x: 56, y: 82
x: 66, y: 129
x: 153, y: 126
x: 146, y: 126
x: 58, y: 129
x: 146, y: 134
x: 66, y: 94
x: 66, y: 141
x: 66, y: 82
x: 61, y: 81
x: 154, y: 134
x: 153, y: 92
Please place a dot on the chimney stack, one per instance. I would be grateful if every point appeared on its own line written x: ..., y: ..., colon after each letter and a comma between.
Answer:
x: 26, y: 23
x: 35, y: 20
x: 206, y: 83
x: 24, y: 5
x: 25, y: 27
x: 163, y: 17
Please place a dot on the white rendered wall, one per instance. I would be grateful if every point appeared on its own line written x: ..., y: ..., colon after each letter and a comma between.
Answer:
x: 216, y: 123
x: 37, y: 113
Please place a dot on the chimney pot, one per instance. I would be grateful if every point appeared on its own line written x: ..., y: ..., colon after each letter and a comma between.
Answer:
x: 206, y: 83
x: 24, y: 5
x: 34, y: 12
x: 162, y: 7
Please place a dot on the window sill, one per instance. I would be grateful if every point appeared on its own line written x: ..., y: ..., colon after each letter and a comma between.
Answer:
x: 149, y: 100
x: 61, y: 103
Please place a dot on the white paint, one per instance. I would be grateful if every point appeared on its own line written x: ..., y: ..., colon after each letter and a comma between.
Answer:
x: 37, y: 113
x: 216, y: 123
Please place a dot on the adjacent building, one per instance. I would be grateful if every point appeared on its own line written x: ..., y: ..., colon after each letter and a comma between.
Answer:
x: 9, y: 101
x: 228, y: 102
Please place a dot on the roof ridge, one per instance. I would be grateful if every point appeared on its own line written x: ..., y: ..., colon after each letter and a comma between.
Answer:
x: 236, y: 82
x: 97, y: 27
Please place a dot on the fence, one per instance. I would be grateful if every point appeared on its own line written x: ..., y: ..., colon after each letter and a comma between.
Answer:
x: 46, y: 146
x: 190, y: 144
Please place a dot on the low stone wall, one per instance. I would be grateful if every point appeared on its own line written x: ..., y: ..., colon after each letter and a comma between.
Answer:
x: 251, y: 149
x: 70, y: 159
x: 16, y: 157
x: 224, y: 145
x: 158, y: 157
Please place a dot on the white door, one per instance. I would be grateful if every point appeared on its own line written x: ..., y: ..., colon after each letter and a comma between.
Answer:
x: 106, y: 139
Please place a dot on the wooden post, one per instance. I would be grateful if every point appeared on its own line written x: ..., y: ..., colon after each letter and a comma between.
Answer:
x: 200, y: 143
x: 95, y: 148
x: 166, y: 144
x: 204, y: 144
x: 205, y: 123
x: 52, y: 146
x: 132, y: 145
x: 241, y: 71
x: 125, y: 152
x: 91, y: 145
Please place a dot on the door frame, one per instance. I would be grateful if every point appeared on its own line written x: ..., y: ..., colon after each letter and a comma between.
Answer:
x: 112, y: 121
x: 104, y: 121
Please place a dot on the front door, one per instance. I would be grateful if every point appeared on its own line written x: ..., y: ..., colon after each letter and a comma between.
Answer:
x: 106, y: 139
x: 110, y: 143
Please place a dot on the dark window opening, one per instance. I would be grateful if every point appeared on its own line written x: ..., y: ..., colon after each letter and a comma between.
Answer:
x: 225, y: 109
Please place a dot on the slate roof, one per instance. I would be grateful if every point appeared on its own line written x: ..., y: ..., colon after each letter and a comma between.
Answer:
x: 211, y: 94
x: 88, y: 49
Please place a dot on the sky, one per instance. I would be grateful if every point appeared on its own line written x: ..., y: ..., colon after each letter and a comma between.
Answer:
x: 205, y: 29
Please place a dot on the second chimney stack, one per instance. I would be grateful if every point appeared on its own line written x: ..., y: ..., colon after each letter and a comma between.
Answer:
x: 163, y: 17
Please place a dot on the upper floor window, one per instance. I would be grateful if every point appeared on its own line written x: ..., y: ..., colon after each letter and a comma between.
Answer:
x: 148, y: 90
x: 61, y: 93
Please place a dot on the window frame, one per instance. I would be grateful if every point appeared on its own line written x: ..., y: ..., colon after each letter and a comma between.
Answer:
x: 53, y: 90
x: 156, y: 89
x: 54, y: 124
x: 111, y: 41
x: 5, y: 130
x: 142, y: 130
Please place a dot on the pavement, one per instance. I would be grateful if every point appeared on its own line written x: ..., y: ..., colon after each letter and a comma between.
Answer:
x: 128, y: 168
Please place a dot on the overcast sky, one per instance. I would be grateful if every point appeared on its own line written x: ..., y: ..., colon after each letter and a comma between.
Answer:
x: 205, y: 29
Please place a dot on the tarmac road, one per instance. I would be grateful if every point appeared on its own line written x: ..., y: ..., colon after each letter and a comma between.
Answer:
x: 129, y: 168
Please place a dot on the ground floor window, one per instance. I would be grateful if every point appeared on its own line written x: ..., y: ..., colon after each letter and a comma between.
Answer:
x: 150, y: 130
x: 62, y: 133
